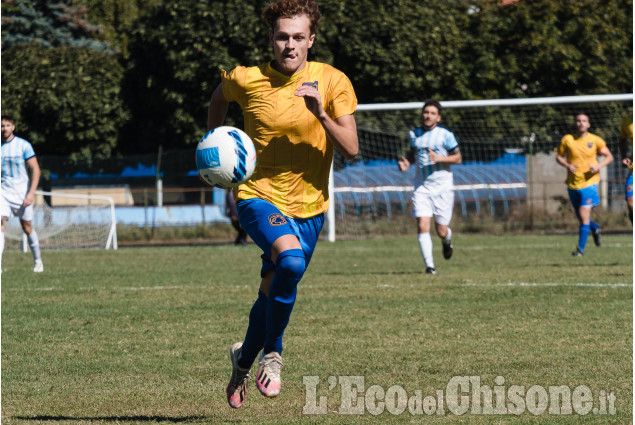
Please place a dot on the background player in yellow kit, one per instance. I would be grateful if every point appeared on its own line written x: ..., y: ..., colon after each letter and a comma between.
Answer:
x: 626, y: 152
x: 296, y: 112
x: 578, y: 154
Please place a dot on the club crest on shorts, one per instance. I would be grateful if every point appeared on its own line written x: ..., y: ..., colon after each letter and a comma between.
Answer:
x: 277, y: 219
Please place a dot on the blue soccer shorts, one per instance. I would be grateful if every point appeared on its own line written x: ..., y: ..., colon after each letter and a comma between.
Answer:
x: 265, y: 224
x: 628, y: 187
x: 585, y: 197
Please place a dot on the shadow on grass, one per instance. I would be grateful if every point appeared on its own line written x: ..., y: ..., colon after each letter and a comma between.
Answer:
x: 141, y: 418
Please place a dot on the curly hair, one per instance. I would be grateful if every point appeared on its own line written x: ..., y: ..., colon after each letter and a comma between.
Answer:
x: 290, y: 8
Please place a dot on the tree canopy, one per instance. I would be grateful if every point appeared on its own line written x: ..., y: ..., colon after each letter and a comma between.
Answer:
x: 116, y: 76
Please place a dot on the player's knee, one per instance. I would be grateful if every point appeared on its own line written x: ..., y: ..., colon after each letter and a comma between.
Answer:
x: 291, y: 264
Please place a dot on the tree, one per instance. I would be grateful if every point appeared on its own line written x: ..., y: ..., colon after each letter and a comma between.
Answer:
x: 176, y: 54
x: 551, y: 48
x: 62, y: 85
x: 48, y: 24
x: 67, y: 100
x: 117, y: 19
x: 399, y: 50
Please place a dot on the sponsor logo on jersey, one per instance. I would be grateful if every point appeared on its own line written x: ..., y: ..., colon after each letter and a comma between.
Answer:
x: 313, y: 84
x: 277, y: 219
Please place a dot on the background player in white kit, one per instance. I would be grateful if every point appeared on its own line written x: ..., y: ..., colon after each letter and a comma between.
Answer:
x: 432, y: 149
x: 18, y: 164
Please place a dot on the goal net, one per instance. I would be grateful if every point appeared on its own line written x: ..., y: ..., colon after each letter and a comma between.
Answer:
x: 497, y: 138
x: 65, y: 220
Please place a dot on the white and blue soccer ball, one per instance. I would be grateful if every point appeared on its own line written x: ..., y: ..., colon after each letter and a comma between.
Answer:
x: 225, y: 157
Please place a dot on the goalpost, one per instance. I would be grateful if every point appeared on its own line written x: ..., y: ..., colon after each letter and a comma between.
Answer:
x: 69, y: 220
x: 500, y: 141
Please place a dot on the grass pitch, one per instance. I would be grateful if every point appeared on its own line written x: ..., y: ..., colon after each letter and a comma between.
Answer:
x: 141, y: 335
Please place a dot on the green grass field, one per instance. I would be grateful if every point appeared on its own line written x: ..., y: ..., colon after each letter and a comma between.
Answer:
x: 141, y: 335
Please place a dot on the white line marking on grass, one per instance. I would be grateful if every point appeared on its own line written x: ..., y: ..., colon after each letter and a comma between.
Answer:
x: 148, y: 288
x: 123, y: 288
x: 554, y: 284
x: 34, y: 289
x: 538, y: 246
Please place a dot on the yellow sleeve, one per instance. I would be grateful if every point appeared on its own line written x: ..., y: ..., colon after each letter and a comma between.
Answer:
x: 344, y: 102
x: 562, y: 149
x: 233, y: 84
x: 599, y: 143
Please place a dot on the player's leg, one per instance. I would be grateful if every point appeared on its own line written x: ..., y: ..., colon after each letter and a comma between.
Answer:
x: 278, y: 237
x: 4, y: 224
x: 422, y: 211
x: 584, y: 230
x: 425, y: 243
x: 628, y: 189
x: 5, y: 213
x: 443, y: 206
x: 575, y: 196
x: 26, y: 217
x: 290, y: 265
x: 291, y: 262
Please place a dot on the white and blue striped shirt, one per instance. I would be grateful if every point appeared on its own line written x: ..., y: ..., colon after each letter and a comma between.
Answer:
x: 15, y: 176
x: 441, y: 141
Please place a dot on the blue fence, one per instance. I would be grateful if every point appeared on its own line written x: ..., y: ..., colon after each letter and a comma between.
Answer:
x: 379, y: 188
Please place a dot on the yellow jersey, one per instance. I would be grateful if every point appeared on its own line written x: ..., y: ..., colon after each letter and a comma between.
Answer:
x: 626, y: 133
x: 294, y: 155
x: 581, y: 152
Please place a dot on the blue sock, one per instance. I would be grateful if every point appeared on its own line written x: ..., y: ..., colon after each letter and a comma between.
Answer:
x: 290, y: 267
x: 594, y: 227
x: 255, y: 337
x: 585, y: 229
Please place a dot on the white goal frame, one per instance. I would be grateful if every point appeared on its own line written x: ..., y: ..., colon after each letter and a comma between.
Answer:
x: 330, y: 215
x: 111, y: 240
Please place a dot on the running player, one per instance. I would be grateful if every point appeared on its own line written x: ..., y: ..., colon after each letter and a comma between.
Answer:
x: 578, y: 154
x: 296, y: 112
x: 626, y: 152
x: 18, y: 164
x: 433, y: 149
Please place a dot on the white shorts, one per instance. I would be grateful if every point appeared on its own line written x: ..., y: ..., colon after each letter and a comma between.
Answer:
x: 9, y: 209
x: 438, y: 204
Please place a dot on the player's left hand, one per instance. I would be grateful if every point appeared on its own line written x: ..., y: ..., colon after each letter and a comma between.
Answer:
x: 28, y: 199
x: 432, y: 155
x: 594, y: 168
x: 312, y: 99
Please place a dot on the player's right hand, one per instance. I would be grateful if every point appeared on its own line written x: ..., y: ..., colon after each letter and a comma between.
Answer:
x: 404, y: 164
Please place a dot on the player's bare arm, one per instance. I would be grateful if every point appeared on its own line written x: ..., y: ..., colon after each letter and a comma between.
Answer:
x: 34, y: 170
x: 626, y: 161
x: 216, y: 114
x: 562, y: 161
x: 217, y: 109
x: 454, y: 156
x: 342, y: 131
x: 406, y: 160
x: 608, y: 158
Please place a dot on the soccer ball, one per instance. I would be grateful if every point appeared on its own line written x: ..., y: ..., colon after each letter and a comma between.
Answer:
x: 225, y: 157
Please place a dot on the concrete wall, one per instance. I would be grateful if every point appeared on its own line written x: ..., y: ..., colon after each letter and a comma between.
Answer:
x: 546, y: 183
x: 545, y: 180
